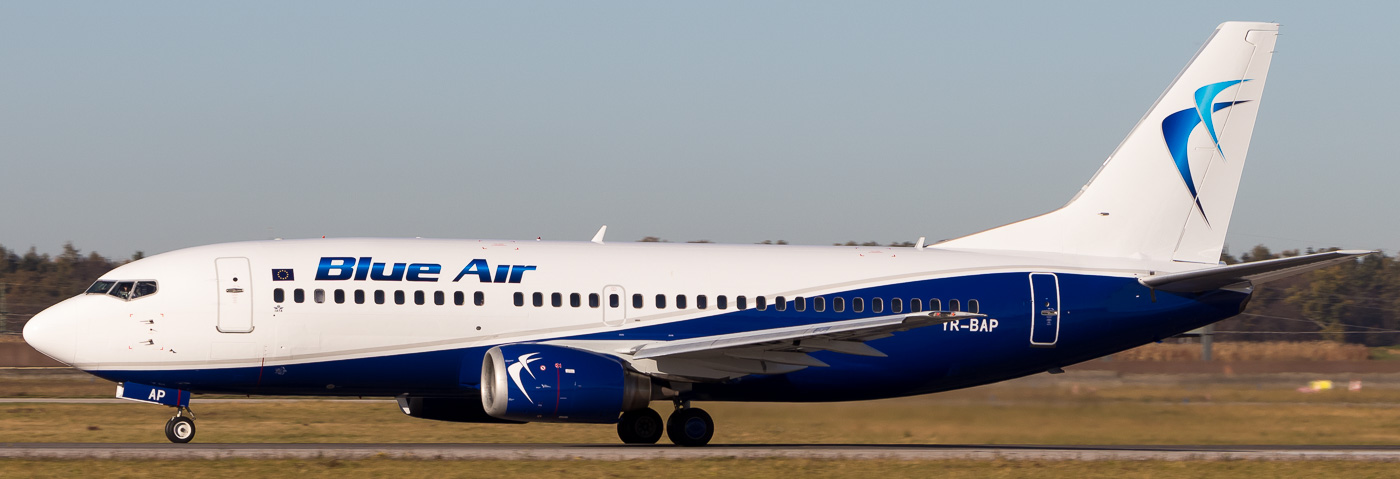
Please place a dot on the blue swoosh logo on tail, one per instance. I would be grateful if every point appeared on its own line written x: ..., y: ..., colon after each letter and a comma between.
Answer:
x: 1177, y: 128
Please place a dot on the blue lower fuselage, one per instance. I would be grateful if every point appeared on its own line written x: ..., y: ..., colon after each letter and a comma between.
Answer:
x: 1098, y: 315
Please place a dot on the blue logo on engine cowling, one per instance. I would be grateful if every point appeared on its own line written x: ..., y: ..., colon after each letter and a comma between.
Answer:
x: 344, y: 268
x: 1177, y: 128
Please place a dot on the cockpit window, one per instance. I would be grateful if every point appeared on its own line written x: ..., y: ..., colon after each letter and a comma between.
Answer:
x: 124, y: 290
x: 144, y: 288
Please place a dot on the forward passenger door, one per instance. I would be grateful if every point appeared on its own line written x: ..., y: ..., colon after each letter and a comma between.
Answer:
x: 235, y: 281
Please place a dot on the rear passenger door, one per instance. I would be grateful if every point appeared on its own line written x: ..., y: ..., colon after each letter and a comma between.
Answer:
x: 1045, y: 310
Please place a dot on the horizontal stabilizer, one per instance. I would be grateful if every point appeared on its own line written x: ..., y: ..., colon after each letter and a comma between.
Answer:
x: 1255, y: 273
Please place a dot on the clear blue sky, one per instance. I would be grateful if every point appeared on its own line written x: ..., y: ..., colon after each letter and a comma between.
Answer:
x: 161, y: 125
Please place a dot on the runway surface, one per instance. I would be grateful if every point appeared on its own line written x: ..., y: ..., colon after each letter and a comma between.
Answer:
x: 746, y: 451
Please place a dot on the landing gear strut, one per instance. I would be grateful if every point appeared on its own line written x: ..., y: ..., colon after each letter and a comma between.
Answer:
x: 642, y: 426
x: 689, y: 426
x: 180, y: 429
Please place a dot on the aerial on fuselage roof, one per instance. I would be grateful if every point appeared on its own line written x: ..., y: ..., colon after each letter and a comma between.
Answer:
x: 593, y: 332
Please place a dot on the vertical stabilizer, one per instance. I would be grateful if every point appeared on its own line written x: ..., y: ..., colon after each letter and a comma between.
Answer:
x: 1167, y: 192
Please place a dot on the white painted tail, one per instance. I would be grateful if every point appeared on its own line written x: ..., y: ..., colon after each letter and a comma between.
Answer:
x: 1168, y: 190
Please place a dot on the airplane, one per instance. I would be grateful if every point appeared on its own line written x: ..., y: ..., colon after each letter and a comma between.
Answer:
x: 595, y: 331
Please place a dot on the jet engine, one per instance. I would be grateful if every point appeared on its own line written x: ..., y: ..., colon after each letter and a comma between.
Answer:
x: 544, y: 383
x: 447, y: 408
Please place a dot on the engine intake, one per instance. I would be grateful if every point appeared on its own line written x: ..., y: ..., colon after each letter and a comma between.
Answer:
x: 544, y: 383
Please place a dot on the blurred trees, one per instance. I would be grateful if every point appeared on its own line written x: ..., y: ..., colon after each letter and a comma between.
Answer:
x: 1356, y: 302
x: 31, y: 282
x: 904, y: 244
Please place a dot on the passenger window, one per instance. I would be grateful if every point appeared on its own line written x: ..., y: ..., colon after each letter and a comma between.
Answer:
x: 761, y: 303
x: 319, y: 296
x: 973, y: 306
x: 953, y: 305
x: 459, y: 298
x: 935, y: 305
x: 896, y: 305
x: 277, y: 295
x: 637, y: 301
x: 819, y: 304
x: 122, y: 290
x: 556, y: 300
x: 399, y: 297
x: 519, y: 299
x: 857, y: 305
x: 100, y: 287
x: 722, y: 302
x: 838, y: 304
x: 378, y: 296
x: 660, y: 301
x: 593, y: 301
x: 359, y: 296
x: 419, y: 298
x: 741, y: 302
x: 680, y: 301
x: 538, y: 299
x: 298, y: 296
x: 614, y: 301
x: 916, y: 305
x: 701, y: 302
x: 440, y: 298
x: 479, y: 298
x: 800, y: 303
x: 877, y: 305
x: 143, y: 288
x: 339, y: 296
x: 575, y: 300
x: 781, y: 303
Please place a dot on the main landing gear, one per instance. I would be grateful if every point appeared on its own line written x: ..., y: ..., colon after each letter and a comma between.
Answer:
x: 642, y: 426
x: 687, y: 426
x: 180, y: 429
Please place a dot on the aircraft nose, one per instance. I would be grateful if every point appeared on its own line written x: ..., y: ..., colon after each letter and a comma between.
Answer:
x: 53, y: 332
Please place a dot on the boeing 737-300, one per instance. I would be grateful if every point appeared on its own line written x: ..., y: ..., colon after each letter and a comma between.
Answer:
x: 595, y: 331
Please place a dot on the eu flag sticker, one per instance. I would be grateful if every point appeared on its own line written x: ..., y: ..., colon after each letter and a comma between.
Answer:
x: 282, y: 275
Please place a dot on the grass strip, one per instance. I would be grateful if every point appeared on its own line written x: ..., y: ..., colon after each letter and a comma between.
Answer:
x: 872, y: 422
x: 747, y: 468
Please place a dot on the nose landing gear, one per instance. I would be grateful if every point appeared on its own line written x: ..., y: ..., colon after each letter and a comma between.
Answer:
x: 180, y: 428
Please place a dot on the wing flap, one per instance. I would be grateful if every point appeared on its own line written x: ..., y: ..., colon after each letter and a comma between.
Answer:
x: 780, y: 357
x: 855, y: 348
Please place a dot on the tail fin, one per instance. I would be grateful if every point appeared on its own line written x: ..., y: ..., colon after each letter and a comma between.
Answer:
x: 1168, y: 190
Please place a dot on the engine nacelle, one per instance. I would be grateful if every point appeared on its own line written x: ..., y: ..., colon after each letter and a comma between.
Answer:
x: 449, y: 408
x: 544, y: 383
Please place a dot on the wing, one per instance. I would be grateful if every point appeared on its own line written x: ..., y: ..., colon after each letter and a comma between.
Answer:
x: 1256, y: 272
x: 766, y: 351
